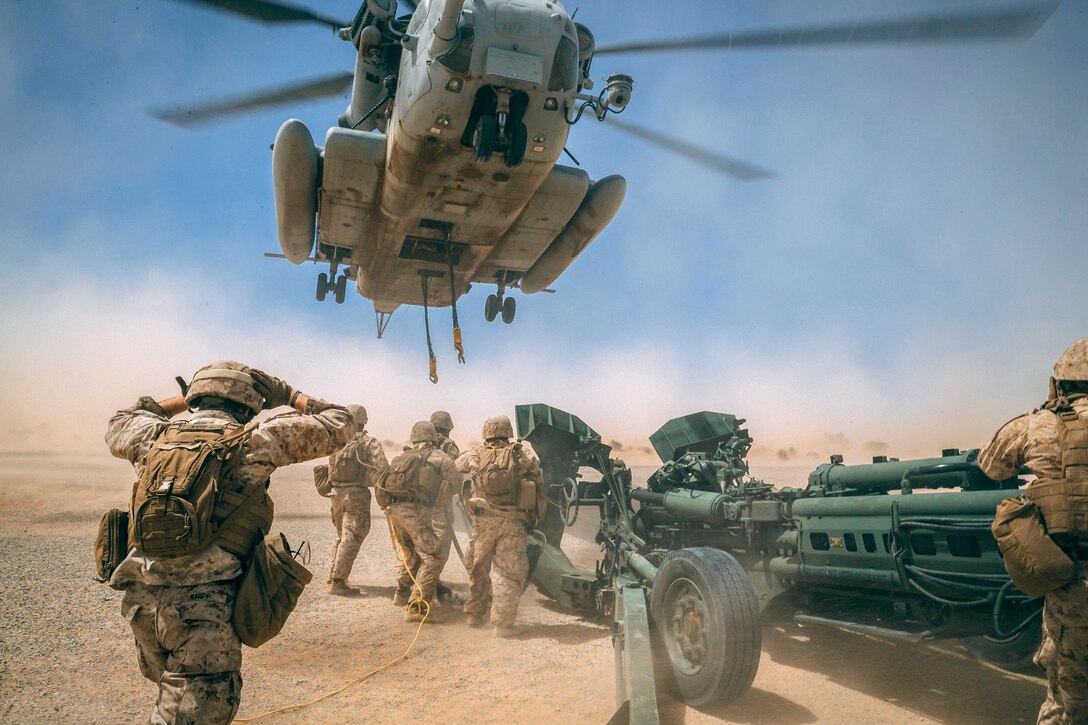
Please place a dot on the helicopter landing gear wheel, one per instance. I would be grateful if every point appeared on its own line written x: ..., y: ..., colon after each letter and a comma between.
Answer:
x: 322, y: 286
x: 515, y: 152
x: 491, y: 307
x: 483, y: 137
x: 509, y: 308
x: 707, y: 620
x: 341, y: 289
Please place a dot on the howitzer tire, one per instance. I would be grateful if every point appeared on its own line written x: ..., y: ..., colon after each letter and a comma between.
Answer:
x: 707, y: 620
x: 1015, y: 654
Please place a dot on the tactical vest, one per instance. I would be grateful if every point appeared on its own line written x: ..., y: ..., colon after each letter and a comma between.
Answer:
x: 185, y: 500
x: 1063, y: 501
x: 345, y: 469
x: 410, y: 476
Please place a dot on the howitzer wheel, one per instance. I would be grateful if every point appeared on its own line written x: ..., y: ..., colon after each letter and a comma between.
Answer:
x: 569, y: 505
x: 707, y: 619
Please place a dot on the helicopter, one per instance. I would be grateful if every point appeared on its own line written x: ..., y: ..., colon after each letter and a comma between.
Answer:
x: 444, y: 170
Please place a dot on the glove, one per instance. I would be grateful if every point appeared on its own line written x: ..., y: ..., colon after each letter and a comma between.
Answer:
x: 274, y: 391
x: 146, y: 402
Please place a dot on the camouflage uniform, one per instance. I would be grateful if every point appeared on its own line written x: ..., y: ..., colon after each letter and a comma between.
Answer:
x: 496, y: 556
x: 351, y: 500
x: 180, y: 608
x: 443, y: 510
x: 411, y: 521
x: 1032, y: 440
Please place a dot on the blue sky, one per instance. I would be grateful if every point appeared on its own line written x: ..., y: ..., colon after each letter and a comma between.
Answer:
x: 908, y: 279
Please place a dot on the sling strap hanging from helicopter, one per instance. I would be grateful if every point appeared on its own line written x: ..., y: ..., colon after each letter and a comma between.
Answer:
x: 453, y: 303
x: 425, y: 284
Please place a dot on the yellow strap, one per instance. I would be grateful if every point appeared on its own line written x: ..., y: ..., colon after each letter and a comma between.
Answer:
x: 457, y: 344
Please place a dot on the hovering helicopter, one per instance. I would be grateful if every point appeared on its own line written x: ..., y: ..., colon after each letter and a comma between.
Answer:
x: 443, y: 170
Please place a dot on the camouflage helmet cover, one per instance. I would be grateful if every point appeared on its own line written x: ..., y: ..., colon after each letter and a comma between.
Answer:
x: 441, y: 419
x: 498, y: 426
x: 358, y: 412
x: 225, y: 379
x: 424, y: 432
x: 1073, y: 364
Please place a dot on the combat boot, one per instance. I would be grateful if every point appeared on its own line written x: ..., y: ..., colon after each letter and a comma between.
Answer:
x: 417, y: 611
x: 447, y: 595
x: 505, y: 631
x: 340, y: 588
x: 401, y: 597
x: 474, y: 620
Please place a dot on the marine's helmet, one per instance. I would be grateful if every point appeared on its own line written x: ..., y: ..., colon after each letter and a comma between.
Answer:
x: 358, y: 412
x: 441, y: 420
x: 424, y: 432
x: 225, y: 379
x: 497, y: 426
x: 1073, y: 364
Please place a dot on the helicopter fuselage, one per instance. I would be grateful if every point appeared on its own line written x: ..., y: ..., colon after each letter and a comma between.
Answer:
x: 464, y: 179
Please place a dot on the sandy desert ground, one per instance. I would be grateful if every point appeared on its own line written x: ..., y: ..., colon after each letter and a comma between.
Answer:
x: 66, y: 654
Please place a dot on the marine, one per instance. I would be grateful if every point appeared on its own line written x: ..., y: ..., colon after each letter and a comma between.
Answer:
x: 1052, y: 442
x: 351, y: 471
x: 507, y: 496
x: 408, y: 491
x: 180, y: 607
x: 443, y: 510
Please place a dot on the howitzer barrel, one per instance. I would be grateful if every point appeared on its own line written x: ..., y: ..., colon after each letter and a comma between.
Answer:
x: 683, y: 503
x: 959, y: 470
x: 967, y: 503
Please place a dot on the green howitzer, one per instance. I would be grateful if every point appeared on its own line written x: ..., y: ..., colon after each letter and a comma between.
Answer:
x: 895, y: 548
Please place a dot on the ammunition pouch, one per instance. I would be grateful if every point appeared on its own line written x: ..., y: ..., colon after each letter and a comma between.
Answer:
x: 241, y: 518
x: 111, y: 543
x: 527, y: 495
x: 322, y: 481
x: 269, y: 591
x: 1033, y: 561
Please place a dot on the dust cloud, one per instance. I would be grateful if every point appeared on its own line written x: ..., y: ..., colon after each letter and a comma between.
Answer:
x: 86, y: 348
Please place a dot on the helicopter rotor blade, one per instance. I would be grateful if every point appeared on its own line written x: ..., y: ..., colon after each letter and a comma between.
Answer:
x: 271, y: 12
x: 333, y: 85
x: 721, y: 163
x: 1015, y: 22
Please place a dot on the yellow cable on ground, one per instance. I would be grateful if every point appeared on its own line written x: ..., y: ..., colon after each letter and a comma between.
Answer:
x: 424, y: 606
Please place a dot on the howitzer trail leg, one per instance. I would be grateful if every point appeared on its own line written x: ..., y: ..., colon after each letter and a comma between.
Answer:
x: 634, y: 659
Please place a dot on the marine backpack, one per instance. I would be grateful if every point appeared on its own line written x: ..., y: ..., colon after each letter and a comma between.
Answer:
x: 495, y: 475
x: 1063, y: 501
x: 345, y: 466
x: 184, y: 500
x: 409, y: 476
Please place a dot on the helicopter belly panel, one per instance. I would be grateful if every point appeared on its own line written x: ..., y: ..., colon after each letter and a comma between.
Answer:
x: 546, y: 214
x: 351, y: 188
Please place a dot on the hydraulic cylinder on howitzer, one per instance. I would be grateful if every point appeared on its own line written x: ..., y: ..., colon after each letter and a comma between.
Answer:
x: 683, y: 503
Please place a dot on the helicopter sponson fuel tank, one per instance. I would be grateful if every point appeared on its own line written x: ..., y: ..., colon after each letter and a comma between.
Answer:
x: 295, y: 171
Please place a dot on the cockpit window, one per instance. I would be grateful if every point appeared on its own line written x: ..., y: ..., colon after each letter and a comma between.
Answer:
x: 564, y: 66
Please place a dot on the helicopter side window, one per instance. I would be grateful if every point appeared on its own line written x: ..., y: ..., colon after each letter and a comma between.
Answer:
x: 458, y: 59
x: 564, y: 66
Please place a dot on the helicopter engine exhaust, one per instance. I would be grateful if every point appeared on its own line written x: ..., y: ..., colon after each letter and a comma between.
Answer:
x: 294, y: 177
x: 601, y: 204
